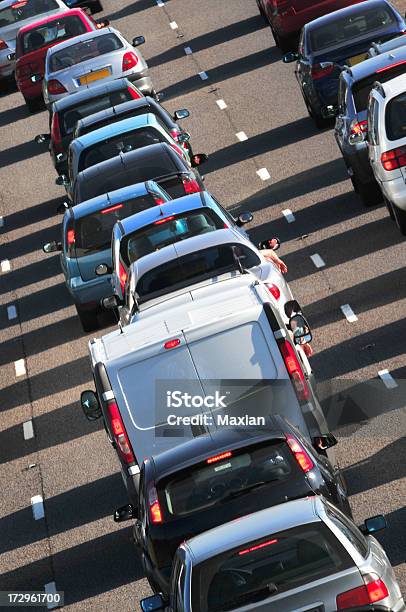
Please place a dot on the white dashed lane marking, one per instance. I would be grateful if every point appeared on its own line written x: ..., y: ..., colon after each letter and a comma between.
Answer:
x: 5, y: 265
x: 387, y: 379
x: 317, y: 260
x: 221, y: 104
x: 349, y: 313
x: 203, y: 76
x: 28, y: 430
x: 160, y: 3
x: 37, y: 505
x: 50, y: 589
x: 173, y: 25
x: 242, y: 136
x: 289, y: 216
x: 20, y: 367
x: 11, y: 312
x: 263, y: 174
x: 188, y: 50
x: 1, y: 222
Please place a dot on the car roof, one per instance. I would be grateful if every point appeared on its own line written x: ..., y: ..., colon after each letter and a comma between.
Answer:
x: 116, y: 128
x: 50, y: 18
x: 395, y: 86
x: 118, y: 109
x: 253, y: 527
x: 97, y: 90
x: 81, y: 38
x: 112, y: 197
x: 348, y: 10
x: 371, y: 65
x: 216, y: 442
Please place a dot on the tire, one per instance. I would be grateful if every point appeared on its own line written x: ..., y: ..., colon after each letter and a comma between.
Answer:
x: 88, y: 319
x: 33, y: 105
x: 283, y: 42
x: 319, y: 121
x: 369, y: 193
x: 400, y: 218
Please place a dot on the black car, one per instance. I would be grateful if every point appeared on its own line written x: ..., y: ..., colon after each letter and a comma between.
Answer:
x: 216, y: 478
x: 70, y: 109
x: 158, y: 162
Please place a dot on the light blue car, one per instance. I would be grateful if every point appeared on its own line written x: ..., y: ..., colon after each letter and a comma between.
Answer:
x: 86, y: 243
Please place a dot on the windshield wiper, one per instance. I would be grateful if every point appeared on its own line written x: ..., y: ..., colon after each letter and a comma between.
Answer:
x: 238, y: 492
x: 249, y: 597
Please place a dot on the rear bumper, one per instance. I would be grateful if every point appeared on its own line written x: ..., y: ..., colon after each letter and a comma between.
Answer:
x: 395, y: 192
x: 93, y: 290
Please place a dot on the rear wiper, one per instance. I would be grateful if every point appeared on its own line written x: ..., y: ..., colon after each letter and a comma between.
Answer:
x: 249, y: 597
x: 237, y: 493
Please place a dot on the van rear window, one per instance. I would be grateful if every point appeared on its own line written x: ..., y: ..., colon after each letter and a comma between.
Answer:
x: 395, y: 117
x: 362, y: 88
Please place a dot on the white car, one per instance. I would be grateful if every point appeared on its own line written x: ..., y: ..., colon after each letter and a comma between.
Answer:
x: 387, y: 144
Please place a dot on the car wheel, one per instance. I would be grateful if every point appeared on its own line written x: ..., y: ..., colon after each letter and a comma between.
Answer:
x: 283, y: 42
x: 88, y: 319
x: 400, y: 218
x: 319, y: 121
x: 33, y: 105
x: 369, y: 193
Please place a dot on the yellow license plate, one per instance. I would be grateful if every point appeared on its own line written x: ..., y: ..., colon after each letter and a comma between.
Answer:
x: 94, y: 76
x: 357, y: 59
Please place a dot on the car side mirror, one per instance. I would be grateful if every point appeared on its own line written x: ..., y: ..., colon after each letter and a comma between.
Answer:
x: 373, y: 524
x: 125, y: 513
x: 103, y: 269
x: 36, y: 78
x: 51, y: 247
x: 90, y: 405
x: 138, y: 40
x: 102, y: 23
x: 199, y: 159
x: 11, y: 57
x: 110, y: 303
x: 153, y: 603
x: 62, y: 208
x: 40, y: 138
x: 322, y: 443
x: 61, y: 180
x: 181, y: 114
x: 273, y: 243
x: 300, y: 328
x: 244, y: 217
x: 290, y: 57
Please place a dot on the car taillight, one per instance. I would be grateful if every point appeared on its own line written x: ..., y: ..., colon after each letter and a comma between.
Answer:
x: 321, y: 70
x: 299, y: 453
x: 122, y: 276
x: 3, y: 45
x: 119, y: 432
x: 70, y: 239
x: 294, y: 370
x: 274, y: 290
x: 219, y: 457
x: 55, y: 87
x: 358, y: 127
x: 190, y: 185
x: 56, y: 134
x: 396, y: 158
x: 129, y: 61
x: 135, y: 93
x: 363, y: 595
x: 154, y: 507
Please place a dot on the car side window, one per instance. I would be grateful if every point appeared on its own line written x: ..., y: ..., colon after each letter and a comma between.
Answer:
x: 348, y: 529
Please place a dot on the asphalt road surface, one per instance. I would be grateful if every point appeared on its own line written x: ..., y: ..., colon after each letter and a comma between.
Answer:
x: 44, y: 363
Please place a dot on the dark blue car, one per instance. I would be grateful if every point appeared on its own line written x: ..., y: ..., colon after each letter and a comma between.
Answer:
x: 339, y: 39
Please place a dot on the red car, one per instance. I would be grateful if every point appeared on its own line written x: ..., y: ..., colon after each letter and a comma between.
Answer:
x: 287, y: 17
x: 33, y: 42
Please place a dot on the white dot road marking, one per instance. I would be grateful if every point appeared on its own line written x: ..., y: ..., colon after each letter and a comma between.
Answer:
x: 28, y: 430
x: 188, y: 50
x: 263, y: 174
x: 289, y: 216
x: 37, y: 505
x: 5, y: 265
x: 1, y: 221
x: 11, y: 312
x: 173, y: 25
x: 317, y: 260
x: 221, y: 104
x: 160, y: 3
x: 387, y: 379
x: 349, y: 313
x: 203, y: 76
x: 242, y: 136
x: 50, y: 589
x: 20, y: 367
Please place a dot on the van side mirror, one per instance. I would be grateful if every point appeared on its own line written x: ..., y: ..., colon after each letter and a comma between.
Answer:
x: 290, y: 57
x: 154, y: 603
x: 138, y: 40
x: 199, y: 159
x: 181, y: 114
x: 244, y: 217
x: 40, y: 138
x: 300, y: 328
x: 51, y: 247
x: 272, y: 243
x: 373, y: 524
x: 125, y: 513
x: 90, y: 405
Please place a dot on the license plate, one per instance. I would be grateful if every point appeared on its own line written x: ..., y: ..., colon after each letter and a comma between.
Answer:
x: 356, y: 59
x: 94, y: 76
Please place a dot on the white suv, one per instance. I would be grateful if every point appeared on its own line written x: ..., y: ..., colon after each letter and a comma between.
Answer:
x: 387, y: 144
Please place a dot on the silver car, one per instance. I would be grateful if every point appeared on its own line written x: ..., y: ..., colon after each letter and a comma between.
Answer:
x: 14, y: 14
x: 301, y: 556
x: 91, y: 58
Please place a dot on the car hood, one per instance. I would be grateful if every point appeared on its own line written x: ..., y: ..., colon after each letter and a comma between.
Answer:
x: 9, y: 33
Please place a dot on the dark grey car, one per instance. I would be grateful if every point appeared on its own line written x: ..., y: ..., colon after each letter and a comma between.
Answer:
x: 355, y: 84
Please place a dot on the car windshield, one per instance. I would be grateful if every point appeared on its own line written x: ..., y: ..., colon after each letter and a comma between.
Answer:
x: 168, y: 230
x: 362, y: 88
x: 68, y: 118
x: 24, y: 9
x: 193, y: 268
x: 120, y: 143
x: 93, y: 232
x: 84, y: 50
x: 53, y: 31
x: 339, y: 32
x: 269, y: 566
x: 395, y: 117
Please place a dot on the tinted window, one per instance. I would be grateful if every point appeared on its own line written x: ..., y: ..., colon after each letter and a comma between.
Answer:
x: 395, y: 118
x: 68, y: 118
x: 122, y: 143
x: 341, y: 31
x: 83, y: 51
x: 24, y: 9
x: 194, y: 268
x: 93, y: 232
x: 158, y: 235
x: 287, y: 560
x: 103, y: 121
x: 52, y: 31
x: 348, y: 529
x: 361, y: 89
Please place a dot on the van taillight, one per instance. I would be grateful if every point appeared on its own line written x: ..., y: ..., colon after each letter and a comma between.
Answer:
x: 396, y: 158
x: 122, y: 276
x: 299, y: 453
x: 56, y: 134
x: 363, y: 595
x: 294, y: 370
x: 190, y: 185
x: 154, y: 507
x: 119, y: 433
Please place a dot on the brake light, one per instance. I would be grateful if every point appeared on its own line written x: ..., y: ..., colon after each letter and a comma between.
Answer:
x: 321, y: 70
x: 391, y: 66
x: 129, y: 61
x: 122, y: 274
x: 3, y: 45
x: 396, y: 158
x: 134, y: 93
x: 363, y: 595
x: 358, y: 127
x: 274, y: 290
x: 18, y: 5
x: 172, y: 343
x: 119, y: 432
x: 299, y: 453
x: 55, y: 87
x: 107, y: 210
x: 160, y: 221
x: 154, y: 507
x: 158, y: 201
x: 70, y: 236
x: 70, y: 239
x: 220, y: 457
x: 295, y: 371
x: 257, y: 547
x: 190, y: 185
x: 56, y: 134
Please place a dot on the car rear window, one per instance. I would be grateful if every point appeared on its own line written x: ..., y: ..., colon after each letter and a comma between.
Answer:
x: 193, y: 268
x: 103, y: 121
x: 395, y: 117
x: 167, y: 231
x: 83, y: 51
x: 24, y: 9
x: 69, y: 117
x: 53, y: 31
x: 93, y: 232
x: 353, y: 25
x: 362, y: 88
x: 120, y: 143
x: 272, y: 565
